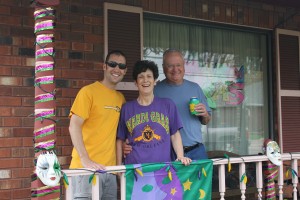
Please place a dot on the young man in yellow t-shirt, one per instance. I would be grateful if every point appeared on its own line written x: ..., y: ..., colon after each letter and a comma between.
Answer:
x: 94, y: 118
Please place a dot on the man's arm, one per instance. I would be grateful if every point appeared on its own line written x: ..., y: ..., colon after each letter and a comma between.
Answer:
x: 75, y: 130
x: 119, y: 151
x: 178, y: 148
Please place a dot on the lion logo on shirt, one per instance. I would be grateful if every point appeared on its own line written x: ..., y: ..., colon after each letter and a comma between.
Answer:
x: 147, y: 135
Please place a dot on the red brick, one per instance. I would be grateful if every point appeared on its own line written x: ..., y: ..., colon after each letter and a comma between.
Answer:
x: 22, y: 172
x: 5, y: 194
x: 63, y: 102
x: 28, y: 122
x: 26, y: 182
x: 15, y: 51
x: 64, y: 140
x: 22, y: 193
x: 22, y: 152
x: 23, y: 91
x: 5, y: 70
x: 83, y: 28
x: 28, y: 42
x: 5, y: 132
x: 10, y: 142
x: 28, y: 162
x: 12, y: 20
x: 10, y: 184
x: 27, y: 141
x: 17, y: 41
x: 11, y: 163
x: 11, y: 60
x: 27, y: 101
x: 80, y: 73
x: 20, y: 11
x: 64, y: 160
x: 5, y: 153
x: 92, y: 38
x: 23, y: 71
x: 78, y: 46
x: 92, y: 20
x: 67, y: 150
x: 10, y: 101
x: 5, y: 50
x: 23, y: 132
x: 82, y: 65
x: 5, y: 91
x: 5, y: 111
x: 22, y: 111
x: 4, y: 10
x: 63, y: 122
x: 5, y: 174
x: 11, y: 121
x: 29, y: 62
x: 62, y: 45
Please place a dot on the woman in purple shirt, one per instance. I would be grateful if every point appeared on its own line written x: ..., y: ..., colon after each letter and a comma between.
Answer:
x: 150, y: 124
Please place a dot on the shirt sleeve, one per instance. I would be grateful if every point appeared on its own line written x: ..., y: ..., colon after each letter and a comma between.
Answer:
x: 82, y: 104
x: 174, y: 118
x: 122, y: 128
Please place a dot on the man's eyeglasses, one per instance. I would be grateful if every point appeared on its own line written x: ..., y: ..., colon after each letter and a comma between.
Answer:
x: 113, y: 64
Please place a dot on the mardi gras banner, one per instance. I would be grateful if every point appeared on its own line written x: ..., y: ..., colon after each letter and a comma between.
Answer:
x: 166, y: 181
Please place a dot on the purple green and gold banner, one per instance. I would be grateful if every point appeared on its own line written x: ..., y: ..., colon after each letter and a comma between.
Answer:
x: 165, y: 181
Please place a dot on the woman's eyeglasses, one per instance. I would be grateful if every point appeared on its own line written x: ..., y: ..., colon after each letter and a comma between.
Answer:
x: 113, y: 64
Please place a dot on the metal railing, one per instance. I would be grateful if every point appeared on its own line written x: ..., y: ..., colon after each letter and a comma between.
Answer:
x: 290, y: 161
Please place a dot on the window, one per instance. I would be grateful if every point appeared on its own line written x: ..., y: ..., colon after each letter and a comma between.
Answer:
x: 231, y: 67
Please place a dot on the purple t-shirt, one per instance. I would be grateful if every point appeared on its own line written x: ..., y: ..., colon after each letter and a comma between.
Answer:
x: 149, y: 130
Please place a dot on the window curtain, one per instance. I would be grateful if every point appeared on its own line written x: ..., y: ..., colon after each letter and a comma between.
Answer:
x: 230, y: 66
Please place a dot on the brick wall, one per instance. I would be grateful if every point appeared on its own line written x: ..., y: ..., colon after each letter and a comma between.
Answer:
x: 79, y: 57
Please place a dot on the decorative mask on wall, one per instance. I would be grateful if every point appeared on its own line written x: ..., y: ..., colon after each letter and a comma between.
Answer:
x: 48, y: 169
x: 272, y: 150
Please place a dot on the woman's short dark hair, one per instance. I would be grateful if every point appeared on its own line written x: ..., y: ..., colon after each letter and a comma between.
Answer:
x: 142, y: 66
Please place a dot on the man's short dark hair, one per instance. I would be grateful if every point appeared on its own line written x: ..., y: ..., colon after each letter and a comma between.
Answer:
x: 114, y: 52
x: 142, y: 66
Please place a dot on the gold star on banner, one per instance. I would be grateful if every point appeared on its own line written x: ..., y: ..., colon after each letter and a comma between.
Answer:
x: 187, y: 185
x: 173, y: 191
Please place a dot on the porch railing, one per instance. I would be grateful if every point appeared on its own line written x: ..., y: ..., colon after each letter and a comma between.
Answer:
x: 290, y: 161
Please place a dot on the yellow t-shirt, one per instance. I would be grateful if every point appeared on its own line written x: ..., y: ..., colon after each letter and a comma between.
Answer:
x: 100, y: 107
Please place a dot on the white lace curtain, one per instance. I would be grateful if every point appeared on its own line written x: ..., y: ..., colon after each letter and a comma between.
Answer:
x: 211, y: 53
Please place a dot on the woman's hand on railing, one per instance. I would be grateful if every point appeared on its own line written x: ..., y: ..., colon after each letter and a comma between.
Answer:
x: 184, y: 160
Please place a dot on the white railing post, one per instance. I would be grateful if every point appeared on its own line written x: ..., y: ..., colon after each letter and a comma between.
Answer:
x: 242, y: 171
x: 69, y: 192
x: 95, y: 188
x: 280, y: 182
x: 259, y: 179
x: 222, y: 187
x: 295, y: 178
x: 122, y: 186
